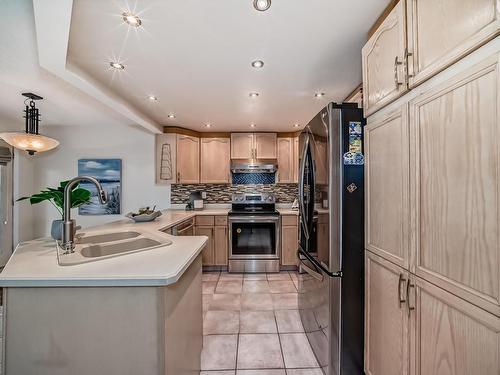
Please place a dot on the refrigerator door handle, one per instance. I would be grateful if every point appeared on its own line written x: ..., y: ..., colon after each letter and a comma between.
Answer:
x: 311, y: 272
x: 301, y: 189
x: 318, y: 265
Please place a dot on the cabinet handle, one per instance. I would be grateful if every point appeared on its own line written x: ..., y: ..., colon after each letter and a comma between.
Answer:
x: 409, y: 286
x: 401, y: 282
x: 396, y: 72
x: 407, y: 65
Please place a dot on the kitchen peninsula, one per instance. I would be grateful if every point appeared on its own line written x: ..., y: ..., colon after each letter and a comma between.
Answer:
x: 137, y: 313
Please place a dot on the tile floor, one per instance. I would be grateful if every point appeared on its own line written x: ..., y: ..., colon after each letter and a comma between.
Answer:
x: 252, y: 326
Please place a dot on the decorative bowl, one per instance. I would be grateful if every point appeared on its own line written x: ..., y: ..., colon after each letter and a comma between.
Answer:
x: 142, y: 218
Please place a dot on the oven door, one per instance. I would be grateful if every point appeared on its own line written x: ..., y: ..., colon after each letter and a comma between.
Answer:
x: 254, y: 237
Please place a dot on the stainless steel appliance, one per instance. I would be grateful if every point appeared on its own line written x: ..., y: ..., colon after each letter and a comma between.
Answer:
x: 254, y: 233
x: 186, y: 228
x: 331, y: 289
x: 6, y: 203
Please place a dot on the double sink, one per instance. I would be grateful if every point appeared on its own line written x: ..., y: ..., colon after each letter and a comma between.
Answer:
x: 100, y: 245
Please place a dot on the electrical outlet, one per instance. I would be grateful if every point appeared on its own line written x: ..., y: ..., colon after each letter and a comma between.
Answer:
x: 204, y: 194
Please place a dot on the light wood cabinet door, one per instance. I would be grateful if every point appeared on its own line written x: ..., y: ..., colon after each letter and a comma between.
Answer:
x: 188, y: 159
x: 221, y: 245
x: 286, y: 162
x: 166, y: 158
x: 242, y: 145
x: 207, y: 255
x: 455, y: 150
x: 265, y: 145
x: 215, y: 160
x: 386, y: 318
x: 383, y: 62
x: 387, y: 187
x: 296, y: 156
x: 442, y: 32
x: 450, y: 335
x: 289, y: 245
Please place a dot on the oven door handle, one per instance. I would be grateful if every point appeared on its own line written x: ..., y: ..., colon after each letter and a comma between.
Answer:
x: 254, y: 218
x: 317, y: 264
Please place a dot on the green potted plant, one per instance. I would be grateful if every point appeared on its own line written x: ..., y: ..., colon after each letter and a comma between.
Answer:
x: 79, y: 196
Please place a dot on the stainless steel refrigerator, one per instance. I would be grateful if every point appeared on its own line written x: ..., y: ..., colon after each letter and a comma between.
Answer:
x: 331, y: 241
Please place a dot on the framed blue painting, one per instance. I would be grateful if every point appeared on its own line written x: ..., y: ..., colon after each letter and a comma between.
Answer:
x: 109, y: 174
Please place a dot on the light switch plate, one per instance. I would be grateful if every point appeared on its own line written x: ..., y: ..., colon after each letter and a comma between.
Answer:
x: 204, y: 194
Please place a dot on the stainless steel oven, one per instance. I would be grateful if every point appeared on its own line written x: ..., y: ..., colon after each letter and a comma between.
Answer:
x: 254, y: 234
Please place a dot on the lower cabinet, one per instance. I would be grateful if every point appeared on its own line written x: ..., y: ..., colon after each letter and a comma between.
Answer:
x: 415, y: 327
x: 289, y: 240
x: 386, y: 318
x: 215, y: 252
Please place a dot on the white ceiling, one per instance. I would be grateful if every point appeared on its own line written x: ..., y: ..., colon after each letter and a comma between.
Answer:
x: 195, y: 56
x: 20, y: 72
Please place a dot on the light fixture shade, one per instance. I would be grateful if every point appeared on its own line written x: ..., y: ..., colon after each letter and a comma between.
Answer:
x: 29, y: 142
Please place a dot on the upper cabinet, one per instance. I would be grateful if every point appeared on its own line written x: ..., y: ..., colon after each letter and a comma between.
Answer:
x: 215, y: 160
x: 383, y: 57
x: 441, y: 32
x: 188, y: 159
x: 288, y: 160
x: 253, y: 146
x: 166, y: 158
x: 420, y: 38
x: 265, y: 146
x: 242, y: 145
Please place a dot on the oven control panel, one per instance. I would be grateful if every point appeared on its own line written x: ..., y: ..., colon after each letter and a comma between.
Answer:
x: 253, y: 198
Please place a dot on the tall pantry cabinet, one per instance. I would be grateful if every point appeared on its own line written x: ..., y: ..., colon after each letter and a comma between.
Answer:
x: 432, y: 282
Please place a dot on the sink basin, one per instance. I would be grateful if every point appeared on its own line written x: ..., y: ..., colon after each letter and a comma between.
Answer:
x: 94, y: 251
x: 99, y: 245
x: 108, y: 237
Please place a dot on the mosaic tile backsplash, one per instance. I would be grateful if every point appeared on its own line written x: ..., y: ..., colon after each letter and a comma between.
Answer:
x: 221, y: 193
x: 253, y: 178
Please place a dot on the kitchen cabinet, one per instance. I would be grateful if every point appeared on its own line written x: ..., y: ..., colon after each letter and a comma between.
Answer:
x: 440, y: 33
x: 265, y: 145
x: 215, y: 160
x: 383, y: 57
x: 415, y: 327
x: 289, y: 241
x: 253, y: 146
x: 286, y: 160
x: 166, y: 158
x: 386, y: 318
x: 450, y: 335
x: 208, y: 255
x: 188, y: 159
x: 387, y: 217
x: 215, y: 228
x: 242, y: 145
x: 455, y: 149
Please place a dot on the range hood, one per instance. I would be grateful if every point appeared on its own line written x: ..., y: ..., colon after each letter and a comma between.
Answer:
x: 254, y: 166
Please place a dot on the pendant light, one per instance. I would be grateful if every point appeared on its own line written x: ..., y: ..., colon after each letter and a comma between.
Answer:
x: 30, y: 141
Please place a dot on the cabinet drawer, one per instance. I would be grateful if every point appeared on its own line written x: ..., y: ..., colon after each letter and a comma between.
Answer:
x: 289, y: 220
x: 221, y: 220
x: 205, y: 220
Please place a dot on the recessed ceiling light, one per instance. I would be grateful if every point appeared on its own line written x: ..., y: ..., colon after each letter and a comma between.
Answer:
x: 296, y: 125
x: 208, y: 125
x: 252, y: 125
x: 258, y: 64
x: 253, y: 94
x: 152, y: 98
x: 116, y: 65
x: 319, y: 94
x: 131, y: 19
x: 171, y: 115
x: 261, y: 5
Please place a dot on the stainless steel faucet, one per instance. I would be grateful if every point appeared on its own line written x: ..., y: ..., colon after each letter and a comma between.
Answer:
x: 68, y: 232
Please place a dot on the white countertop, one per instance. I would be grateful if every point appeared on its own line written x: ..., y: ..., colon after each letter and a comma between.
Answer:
x: 34, y: 263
